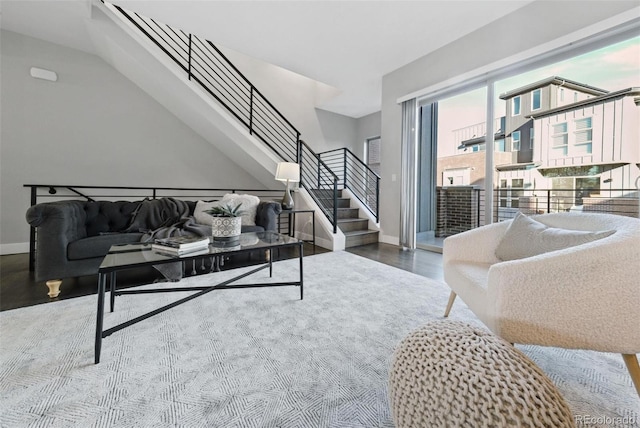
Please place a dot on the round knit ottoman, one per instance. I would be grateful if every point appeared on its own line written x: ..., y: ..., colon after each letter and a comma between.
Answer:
x: 451, y: 374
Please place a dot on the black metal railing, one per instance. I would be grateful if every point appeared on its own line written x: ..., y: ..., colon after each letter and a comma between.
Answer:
x: 320, y: 182
x: 355, y: 175
x: 508, y: 201
x: 58, y: 192
x: 206, y: 65
x: 462, y: 208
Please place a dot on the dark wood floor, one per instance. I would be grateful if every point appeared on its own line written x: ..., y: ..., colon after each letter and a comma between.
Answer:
x: 19, y: 289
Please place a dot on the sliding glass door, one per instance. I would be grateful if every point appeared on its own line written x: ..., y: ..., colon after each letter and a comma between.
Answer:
x: 451, y: 158
x: 564, y: 138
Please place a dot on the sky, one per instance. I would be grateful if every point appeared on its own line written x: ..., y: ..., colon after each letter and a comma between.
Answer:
x: 611, y: 68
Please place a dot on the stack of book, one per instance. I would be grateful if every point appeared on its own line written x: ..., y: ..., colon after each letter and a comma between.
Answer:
x: 180, y: 245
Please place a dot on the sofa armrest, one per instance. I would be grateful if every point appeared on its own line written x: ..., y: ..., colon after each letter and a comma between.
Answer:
x: 580, y: 297
x: 267, y: 215
x: 476, y: 245
x: 58, y: 224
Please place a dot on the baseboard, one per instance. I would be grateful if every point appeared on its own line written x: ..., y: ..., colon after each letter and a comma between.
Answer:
x: 393, y: 240
x: 17, y: 248
x: 320, y: 242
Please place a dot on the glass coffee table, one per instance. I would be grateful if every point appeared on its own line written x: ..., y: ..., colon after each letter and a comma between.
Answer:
x: 131, y: 256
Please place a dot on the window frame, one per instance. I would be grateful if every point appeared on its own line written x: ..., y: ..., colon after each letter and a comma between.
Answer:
x: 565, y: 134
x: 513, y: 141
x: 586, y: 130
x: 513, y: 106
x: 533, y: 98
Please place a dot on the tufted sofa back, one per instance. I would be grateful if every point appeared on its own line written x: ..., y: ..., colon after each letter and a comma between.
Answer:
x: 106, y: 216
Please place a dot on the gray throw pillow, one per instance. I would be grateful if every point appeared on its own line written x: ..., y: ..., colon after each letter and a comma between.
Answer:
x: 526, y: 237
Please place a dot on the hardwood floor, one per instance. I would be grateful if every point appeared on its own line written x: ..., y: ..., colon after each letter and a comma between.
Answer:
x: 19, y: 289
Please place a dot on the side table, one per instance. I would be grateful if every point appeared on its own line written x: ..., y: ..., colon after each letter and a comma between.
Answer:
x: 291, y: 223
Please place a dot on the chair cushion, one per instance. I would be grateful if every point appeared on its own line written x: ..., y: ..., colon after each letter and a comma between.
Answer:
x: 526, y: 237
x: 98, y: 246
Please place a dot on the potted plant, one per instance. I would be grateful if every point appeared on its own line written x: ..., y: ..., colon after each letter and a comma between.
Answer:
x: 226, y: 223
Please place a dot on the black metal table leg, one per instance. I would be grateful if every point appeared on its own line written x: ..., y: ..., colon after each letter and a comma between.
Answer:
x: 270, y: 262
x: 301, y: 247
x: 112, y: 289
x: 102, y: 279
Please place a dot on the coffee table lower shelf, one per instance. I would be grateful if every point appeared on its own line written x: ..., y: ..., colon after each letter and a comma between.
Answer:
x: 109, y: 272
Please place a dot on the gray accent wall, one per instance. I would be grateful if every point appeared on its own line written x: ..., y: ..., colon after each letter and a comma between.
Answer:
x: 531, y: 26
x: 92, y: 127
x: 369, y: 126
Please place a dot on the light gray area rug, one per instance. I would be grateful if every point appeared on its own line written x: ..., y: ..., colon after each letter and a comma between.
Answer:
x: 255, y: 357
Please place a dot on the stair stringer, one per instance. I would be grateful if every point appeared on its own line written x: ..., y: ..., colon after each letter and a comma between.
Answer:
x: 142, y: 62
x: 324, y: 229
x: 363, y: 211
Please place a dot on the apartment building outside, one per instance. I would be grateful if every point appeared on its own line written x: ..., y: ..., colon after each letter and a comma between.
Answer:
x: 562, y: 145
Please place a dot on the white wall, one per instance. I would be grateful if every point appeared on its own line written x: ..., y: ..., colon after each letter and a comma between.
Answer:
x: 93, y: 127
x: 296, y: 97
x: 531, y: 26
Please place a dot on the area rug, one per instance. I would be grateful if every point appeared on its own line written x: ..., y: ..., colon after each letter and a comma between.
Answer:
x: 256, y: 357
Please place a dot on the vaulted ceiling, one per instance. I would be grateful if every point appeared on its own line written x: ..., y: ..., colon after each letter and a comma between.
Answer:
x: 349, y: 45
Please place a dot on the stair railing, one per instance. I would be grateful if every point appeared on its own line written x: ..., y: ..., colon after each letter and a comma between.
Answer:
x: 206, y: 65
x: 356, y: 176
x: 320, y: 181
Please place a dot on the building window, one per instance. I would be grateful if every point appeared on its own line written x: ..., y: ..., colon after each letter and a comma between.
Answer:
x: 516, y: 106
x: 561, y: 94
x: 372, y: 147
x: 503, y: 193
x: 531, y: 138
x: 584, y: 136
x: 499, y: 145
x: 515, y: 141
x: 536, y: 99
x: 575, y: 97
x: 560, y: 139
x: 517, y: 190
x: 509, y: 195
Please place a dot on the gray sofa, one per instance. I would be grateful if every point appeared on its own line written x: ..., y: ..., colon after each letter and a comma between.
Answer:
x: 72, y: 237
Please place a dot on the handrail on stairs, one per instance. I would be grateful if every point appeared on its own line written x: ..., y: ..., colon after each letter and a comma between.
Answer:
x: 357, y: 176
x: 207, y: 66
x: 320, y: 181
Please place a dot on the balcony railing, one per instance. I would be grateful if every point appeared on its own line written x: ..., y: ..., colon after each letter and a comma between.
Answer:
x: 461, y: 208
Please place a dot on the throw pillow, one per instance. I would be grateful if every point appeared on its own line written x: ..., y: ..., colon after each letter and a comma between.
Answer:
x: 526, y: 237
x: 199, y: 213
x: 249, y: 206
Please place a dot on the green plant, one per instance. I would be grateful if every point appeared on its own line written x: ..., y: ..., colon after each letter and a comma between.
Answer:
x: 225, y: 211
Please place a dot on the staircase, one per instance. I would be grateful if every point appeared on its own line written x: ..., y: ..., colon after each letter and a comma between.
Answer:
x: 355, y: 228
x: 208, y: 72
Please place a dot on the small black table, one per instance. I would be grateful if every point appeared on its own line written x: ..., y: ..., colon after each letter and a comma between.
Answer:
x: 129, y: 256
x: 291, y: 222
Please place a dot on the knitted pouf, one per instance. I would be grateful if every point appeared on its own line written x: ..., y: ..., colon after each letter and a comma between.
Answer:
x: 450, y: 374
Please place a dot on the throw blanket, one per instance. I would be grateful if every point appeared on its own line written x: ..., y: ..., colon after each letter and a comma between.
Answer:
x: 162, y: 218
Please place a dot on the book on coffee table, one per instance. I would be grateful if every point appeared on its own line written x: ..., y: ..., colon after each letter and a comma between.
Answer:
x: 182, y: 242
x: 177, y: 252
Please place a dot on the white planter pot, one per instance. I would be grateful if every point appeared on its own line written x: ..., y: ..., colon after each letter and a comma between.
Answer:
x: 226, y: 228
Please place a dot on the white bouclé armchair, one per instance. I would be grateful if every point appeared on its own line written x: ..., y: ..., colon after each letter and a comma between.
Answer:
x: 585, y: 296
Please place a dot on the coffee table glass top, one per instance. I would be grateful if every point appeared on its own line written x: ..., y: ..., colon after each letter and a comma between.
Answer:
x: 138, y: 254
